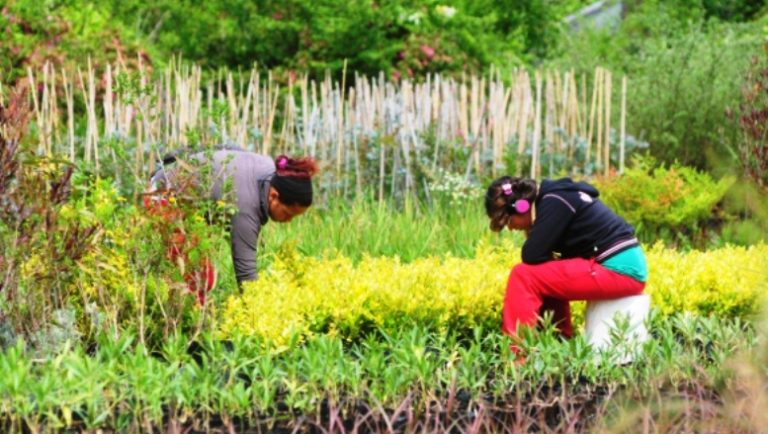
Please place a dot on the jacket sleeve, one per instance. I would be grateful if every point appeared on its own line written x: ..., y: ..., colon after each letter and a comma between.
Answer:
x: 245, y: 235
x: 553, y: 215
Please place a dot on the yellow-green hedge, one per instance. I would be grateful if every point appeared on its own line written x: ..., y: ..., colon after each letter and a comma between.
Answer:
x: 730, y: 281
x: 299, y: 296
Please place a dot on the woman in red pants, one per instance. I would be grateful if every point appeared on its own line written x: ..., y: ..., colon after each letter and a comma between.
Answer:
x: 576, y: 248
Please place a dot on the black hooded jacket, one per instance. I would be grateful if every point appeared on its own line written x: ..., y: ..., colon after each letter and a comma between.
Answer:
x: 571, y: 222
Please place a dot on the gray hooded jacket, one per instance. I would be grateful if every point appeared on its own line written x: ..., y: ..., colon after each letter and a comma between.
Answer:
x: 250, y: 175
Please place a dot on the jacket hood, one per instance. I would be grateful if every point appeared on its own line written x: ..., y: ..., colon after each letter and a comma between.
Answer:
x: 566, y: 184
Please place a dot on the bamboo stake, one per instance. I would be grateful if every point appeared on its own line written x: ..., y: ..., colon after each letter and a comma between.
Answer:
x: 576, y: 125
x: 535, y: 164
x: 305, y: 134
x: 525, y: 103
x: 600, y: 109
x: 144, y: 132
x: 54, y: 108
x: 550, y: 116
x: 110, y: 121
x: 48, y: 107
x: 35, y: 106
x: 339, y: 136
x: 93, y: 125
x: 511, y: 116
x: 623, y: 131
x: 257, y: 98
x: 231, y: 121
x: 91, y: 134
x: 314, y: 105
x: 107, y: 103
x: 69, y: 98
x: 583, y: 118
x: 167, y: 111
x: 559, y: 99
x: 607, y: 144
x: 271, y: 106
x: 591, y: 123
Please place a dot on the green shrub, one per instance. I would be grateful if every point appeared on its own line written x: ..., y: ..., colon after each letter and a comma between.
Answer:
x: 400, y: 37
x: 62, y: 33
x: 411, y: 37
x: 663, y: 200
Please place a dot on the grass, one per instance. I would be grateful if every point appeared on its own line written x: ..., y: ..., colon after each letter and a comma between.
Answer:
x: 365, y: 227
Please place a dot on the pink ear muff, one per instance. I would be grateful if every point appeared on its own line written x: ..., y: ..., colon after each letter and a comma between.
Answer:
x: 522, y: 206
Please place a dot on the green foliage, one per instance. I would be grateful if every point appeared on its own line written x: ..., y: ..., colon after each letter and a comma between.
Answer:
x: 403, y: 37
x: 682, y: 89
x: 684, y: 76
x: 121, y: 386
x: 753, y: 117
x: 687, y: 11
x: 746, y: 201
x: 407, y: 36
x: 660, y: 199
x: 62, y: 32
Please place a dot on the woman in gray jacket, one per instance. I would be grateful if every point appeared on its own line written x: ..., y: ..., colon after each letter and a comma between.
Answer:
x: 264, y: 189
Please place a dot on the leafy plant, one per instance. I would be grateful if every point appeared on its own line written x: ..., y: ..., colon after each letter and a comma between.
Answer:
x: 41, y: 247
x: 660, y: 199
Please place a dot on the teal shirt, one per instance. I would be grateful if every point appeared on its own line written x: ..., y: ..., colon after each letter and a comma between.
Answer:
x: 630, y: 262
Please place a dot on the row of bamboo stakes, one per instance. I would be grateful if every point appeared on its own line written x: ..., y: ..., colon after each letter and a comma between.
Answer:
x: 533, y: 114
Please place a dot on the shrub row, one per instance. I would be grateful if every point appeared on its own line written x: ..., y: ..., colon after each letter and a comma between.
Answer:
x: 302, y: 296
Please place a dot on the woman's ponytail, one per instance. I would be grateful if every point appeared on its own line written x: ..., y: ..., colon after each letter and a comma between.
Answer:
x: 293, y: 179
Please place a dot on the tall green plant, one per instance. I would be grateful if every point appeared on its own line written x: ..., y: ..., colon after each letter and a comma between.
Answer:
x: 684, y: 74
x: 753, y: 120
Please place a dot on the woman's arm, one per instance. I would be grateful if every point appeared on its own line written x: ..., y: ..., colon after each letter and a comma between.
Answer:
x: 245, y: 235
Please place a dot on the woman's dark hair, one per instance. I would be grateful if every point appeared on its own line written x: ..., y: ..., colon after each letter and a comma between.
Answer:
x: 499, y: 206
x: 293, y: 179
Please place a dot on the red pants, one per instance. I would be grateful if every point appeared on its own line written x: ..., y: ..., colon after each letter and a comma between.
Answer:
x: 534, y: 289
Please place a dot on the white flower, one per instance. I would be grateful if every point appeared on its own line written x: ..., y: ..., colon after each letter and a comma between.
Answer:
x: 414, y: 18
x: 446, y: 11
x: 455, y: 187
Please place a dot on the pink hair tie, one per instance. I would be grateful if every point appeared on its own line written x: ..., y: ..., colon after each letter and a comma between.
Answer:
x: 506, y: 189
x: 282, y: 163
